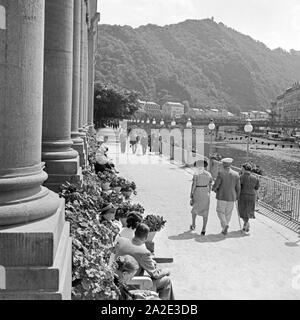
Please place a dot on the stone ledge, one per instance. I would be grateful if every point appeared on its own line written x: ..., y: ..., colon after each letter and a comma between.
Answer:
x: 42, y: 278
x: 33, y: 244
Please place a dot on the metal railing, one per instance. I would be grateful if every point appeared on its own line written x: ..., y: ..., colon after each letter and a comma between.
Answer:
x: 275, y: 196
x: 278, y: 197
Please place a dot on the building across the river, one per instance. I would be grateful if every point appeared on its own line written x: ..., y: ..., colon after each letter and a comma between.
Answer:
x: 174, y: 109
x: 287, y: 105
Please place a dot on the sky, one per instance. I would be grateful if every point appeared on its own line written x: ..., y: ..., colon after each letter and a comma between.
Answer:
x: 273, y: 22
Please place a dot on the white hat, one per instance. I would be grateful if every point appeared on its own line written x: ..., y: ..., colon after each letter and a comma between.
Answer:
x: 227, y: 160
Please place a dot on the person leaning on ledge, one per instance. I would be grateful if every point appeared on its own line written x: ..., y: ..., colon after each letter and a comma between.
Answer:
x: 136, y: 248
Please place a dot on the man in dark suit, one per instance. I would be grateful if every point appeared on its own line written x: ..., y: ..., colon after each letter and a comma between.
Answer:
x: 136, y: 248
x: 227, y: 187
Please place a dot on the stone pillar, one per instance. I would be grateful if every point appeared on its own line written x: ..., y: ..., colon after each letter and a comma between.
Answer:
x: 35, y: 247
x: 62, y: 162
x: 91, y: 63
x: 83, y: 97
x: 75, y: 134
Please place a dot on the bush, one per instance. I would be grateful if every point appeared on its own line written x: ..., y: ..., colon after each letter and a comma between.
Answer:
x: 93, y: 242
x: 106, y: 176
x: 128, y: 186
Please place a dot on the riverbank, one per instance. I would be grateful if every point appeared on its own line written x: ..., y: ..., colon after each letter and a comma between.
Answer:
x: 279, y: 153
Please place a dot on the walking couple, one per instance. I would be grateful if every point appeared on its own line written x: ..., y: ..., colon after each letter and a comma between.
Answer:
x: 229, y: 187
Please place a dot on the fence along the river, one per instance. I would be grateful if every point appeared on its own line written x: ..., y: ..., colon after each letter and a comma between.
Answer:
x: 273, y: 196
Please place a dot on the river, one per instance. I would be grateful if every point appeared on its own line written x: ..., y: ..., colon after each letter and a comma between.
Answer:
x: 277, y: 164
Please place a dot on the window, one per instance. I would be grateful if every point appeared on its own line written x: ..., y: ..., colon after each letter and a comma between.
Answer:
x: 2, y: 18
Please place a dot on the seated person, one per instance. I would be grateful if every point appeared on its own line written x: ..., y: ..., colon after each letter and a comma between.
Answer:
x: 132, y: 221
x: 136, y: 248
x: 107, y: 216
x: 102, y: 162
x: 125, y: 269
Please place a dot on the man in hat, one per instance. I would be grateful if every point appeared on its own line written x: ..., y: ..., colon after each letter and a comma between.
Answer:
x: 227, y: 187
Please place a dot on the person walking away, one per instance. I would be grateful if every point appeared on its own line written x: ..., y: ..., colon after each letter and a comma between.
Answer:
x: 139, y: 149
x: 227, y: 187
x: 247, y: 199
x: 200, y: 193
x: 133, y: 138
x: 123, y: 140
x: 144, y: 142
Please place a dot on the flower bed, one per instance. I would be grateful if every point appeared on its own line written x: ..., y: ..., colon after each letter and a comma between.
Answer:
x: 93, y: 241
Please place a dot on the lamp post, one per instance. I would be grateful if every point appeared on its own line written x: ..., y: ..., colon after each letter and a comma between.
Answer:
x: 211, y: 128
x: 189, y: 123
x: 248, y: 129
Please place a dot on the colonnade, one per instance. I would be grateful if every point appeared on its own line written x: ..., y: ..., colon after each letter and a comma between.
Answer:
x: 46, y: 106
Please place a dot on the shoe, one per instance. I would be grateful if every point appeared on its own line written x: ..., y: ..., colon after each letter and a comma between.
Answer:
x: 225, y: 231
x: 192, y: 227
x: 247, y: 227
x: 203, y: 233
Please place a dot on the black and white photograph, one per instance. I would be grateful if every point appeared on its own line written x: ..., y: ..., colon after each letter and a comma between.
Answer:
x: 149, y: 150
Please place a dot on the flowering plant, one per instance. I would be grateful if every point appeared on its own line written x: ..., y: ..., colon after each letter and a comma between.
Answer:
x: 126, y: 207
x: 106, y: 176
x: 129, y: 186
x: 92, y: 242
x: 215, y: 156
x: 117, y: 182
x: 154, y: 222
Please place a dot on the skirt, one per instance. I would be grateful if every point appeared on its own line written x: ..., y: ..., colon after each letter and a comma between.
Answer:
x: 246, y: 205
x: 201, y: 204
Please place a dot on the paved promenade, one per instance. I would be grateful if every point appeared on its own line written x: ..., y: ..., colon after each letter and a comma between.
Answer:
x: 262, y: 265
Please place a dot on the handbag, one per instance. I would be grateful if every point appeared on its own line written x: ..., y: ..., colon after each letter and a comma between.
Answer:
x: 191, y: 202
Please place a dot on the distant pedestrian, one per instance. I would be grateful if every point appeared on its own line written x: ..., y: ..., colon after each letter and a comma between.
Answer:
x: 227, y: 188
x: 200, y: 193
x: 123, y: 141
x: 144, y: 143
x: 247, y: 199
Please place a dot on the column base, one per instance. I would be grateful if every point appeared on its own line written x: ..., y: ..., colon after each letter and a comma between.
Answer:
x: 37, y: 260
x: 82, y: 155
x: 61, y: 171
x: 85, y: 145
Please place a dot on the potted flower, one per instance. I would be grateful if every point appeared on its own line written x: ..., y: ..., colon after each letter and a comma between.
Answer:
x: 105, y: 178
x: 125, y: 208
x: 128, y: 188
x: 117, y: 183
x: 155, y: 224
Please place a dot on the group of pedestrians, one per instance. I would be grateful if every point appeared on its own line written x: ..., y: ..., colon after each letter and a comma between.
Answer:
x: 230, y: 187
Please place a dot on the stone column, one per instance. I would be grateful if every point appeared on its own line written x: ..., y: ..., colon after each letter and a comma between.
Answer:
x: 82, y: 109
x: 62, y: 162
x: 33, y: 251
x: 91, y: 75
x: 75, y: 134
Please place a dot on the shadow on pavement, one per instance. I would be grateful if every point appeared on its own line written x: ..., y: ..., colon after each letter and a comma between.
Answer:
x: 187, y: 235
x: 220, y: 237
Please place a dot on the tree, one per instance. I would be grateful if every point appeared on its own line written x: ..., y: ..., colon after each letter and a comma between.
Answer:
x: 112, y: 102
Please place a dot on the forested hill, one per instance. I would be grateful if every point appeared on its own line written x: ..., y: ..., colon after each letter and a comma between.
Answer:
x: 200, y: 61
